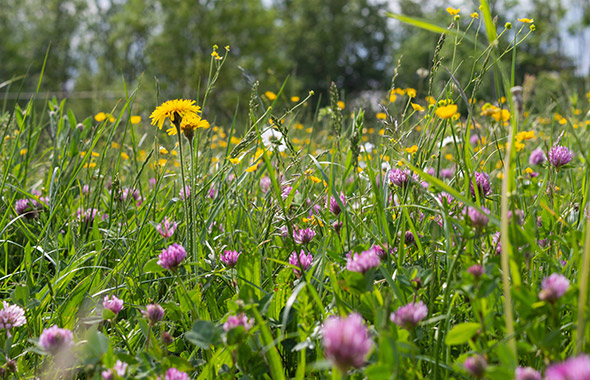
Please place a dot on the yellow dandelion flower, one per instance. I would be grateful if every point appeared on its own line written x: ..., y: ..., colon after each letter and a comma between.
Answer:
x: 135, y: 119
x: 452, y: 11
x: 381, y: 116
x: 475, y: 15
x: 412, y: 149
x: 270, y: 95
x: 417, y: 107
x: 100, y: 117
x: 526, y: 20
x: 446, y: 112
x: 294, y: 99
x: 341, y: 104
x: 173, y: 109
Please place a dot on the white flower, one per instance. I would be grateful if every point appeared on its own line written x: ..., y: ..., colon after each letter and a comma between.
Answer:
x: 273, y: 139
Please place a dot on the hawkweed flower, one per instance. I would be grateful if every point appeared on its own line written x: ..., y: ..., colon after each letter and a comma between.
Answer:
x: 399, y: 177
x: 408, y: 316
x: 166, y: 228
x: 185, y: 193
x: 174, y: 110
x: 482, y: 180
x: 11, y: 316
x: 174, y: 374
x: 478, y: 219
x: 153, y: 313
x: 346, y: 341
x: 577, y: 368
x: 526, y: 373
x: 229, y: 258
x: 171, y: 257
x: 553, y: 287
x: 362, y: 262
x: 560, y: 156
x: 476, y: 366
x: 54, y: 339
x: 303, y: 236
x: 302, y: 261
x: 113, y: 304
x: 537, y: 157
x: 234, y: 321
x: 334, y: 206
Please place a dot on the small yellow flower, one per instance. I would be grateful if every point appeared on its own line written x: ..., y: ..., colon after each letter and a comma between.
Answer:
x: 341, y: 104
x: 381, y: 115
x: 172, y: 109
x: 526, y: 20
x: 315, y: 179
x: 452, y: 11
x: 392, y: 97
x: 525, y: 135
x: 162, y: 161
x: 381, y: 132
x: 446, y: 112
x: 528, y: 170
x: 135, y: 119
x: 411, y: 92
x: 90, y: 165
x: 475, y: 15
x: 23, y: 151
x: 500, y: 175
x: 294, y: 99
x: 270, y: 95
x: 252, y: 168
x: 235, y: 160
x: 417, y: 107
x: 124, y: 156
x: 449, y: 157
x: 163, y: 151
x: 95, y: 154
x: 430, y: 99
x: 412, y: 149
x: 100, y: 117
x: 115, y: 145
x: 112, y: 119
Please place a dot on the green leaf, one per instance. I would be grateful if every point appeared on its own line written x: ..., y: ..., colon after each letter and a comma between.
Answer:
x: 152, y: 266
x: 461, y: 333
x: 204, y: 334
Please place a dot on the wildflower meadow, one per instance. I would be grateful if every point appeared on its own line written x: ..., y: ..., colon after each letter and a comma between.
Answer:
x: 445, y: 236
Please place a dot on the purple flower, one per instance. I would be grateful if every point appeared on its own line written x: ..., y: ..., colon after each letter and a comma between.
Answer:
x: 334, y: 206
x: 85, y: 189
x: 107, y: 374
x: 286, y: 192
x: 234, y: 321
x: 11, y: 316
x: 185, y: 193
x: 380, y: 251
x: 174, y: 374
x: 28, y: 208
x: 127, y: 193
x: 120, y: 367
x: 303, y: 236
x: 171, y: 257
x: 577, y: 368
x: 475, y: 270
x: 560, y: 155
x: 409, y: 238
x: 53, y: 340
x: 478, y: 219
x: 518, y: 215
x: 152, y: 183
x: 302, y: 261
x: 537, y: 157
x: 166, y: 228
x: 113, y: 304
x: 212, y: 192
x: 337, y: 226
x: 362, y: 262
x: 154, y: 313
x: 445, y: 198
x: 408, y: 316
x: 265, y: 183
x: 87, y: 217
x: 346, y: 341
x: 497, y: 243
x: 399, y: 177
x: 447, y: 173
x: 476, y: 366
x: 526, y: 373
x: 474, y: 139
x: 554, y: 287
x: 229, y: 258
x: 482, y: 180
